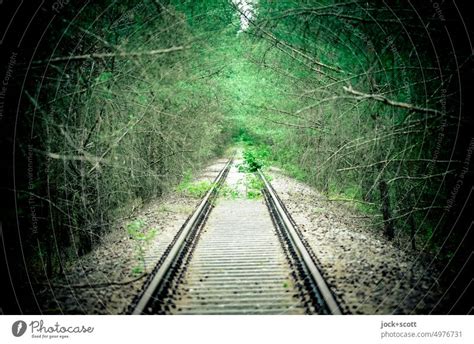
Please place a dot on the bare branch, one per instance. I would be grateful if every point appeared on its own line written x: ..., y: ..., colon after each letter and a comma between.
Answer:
x: 291, y: 125
x: 104, y: 55
x: 396, y: 160
x: 284, y: 112
x: 387, y: 101
x: 420, y: 177
x: 90, y: 159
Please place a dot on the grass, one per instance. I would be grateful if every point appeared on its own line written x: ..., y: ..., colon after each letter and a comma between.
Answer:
x: 138, y: 233
x: 254, y: 186
x: 352, y: 194
x: 194, y: 189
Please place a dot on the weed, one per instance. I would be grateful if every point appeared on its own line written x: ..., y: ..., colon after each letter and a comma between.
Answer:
x: 137, y: 270
x: 252, y: 194
x: 135, y: 230
x: 254, y: 159
x: 254, y: 186
x: 228, y: 191
x: 196, y: 189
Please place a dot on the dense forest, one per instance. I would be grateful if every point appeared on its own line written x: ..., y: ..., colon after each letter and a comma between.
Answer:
x: 109, y: 104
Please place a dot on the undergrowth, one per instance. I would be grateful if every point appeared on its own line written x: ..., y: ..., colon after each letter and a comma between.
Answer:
x: 196, y: 189
x: 254, y: 186
x: 141, y: 237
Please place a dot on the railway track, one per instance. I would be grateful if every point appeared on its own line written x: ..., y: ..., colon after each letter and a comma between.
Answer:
x: 237, y: 256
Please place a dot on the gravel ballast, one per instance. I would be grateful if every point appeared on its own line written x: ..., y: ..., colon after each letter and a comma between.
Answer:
x: 367, y: 273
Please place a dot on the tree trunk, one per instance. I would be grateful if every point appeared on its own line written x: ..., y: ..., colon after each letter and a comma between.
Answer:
x: 387, y: 216
x: 412, y: 223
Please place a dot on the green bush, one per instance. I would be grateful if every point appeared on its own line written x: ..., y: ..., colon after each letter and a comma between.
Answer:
x: 254, y: 159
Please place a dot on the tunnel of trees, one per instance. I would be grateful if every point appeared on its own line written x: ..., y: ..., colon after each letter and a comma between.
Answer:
x: 107, y: 104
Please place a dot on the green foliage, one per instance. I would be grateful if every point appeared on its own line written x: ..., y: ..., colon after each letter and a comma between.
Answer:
x: 243, y: 136
x: 141, y: 237
x: 254, y: 186
x: 104, y: 76
x: 137, y: 270
x: 123, y: 130
x: 254, y: 159
x: 228, y: 191
x: 118, y: 132
x: 292, y: 169
x: 195, y: 189
x: 136, y: 232
x: 326, y: 137
x: 353, y: 194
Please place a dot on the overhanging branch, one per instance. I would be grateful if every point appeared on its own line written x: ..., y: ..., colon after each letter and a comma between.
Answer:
x: 105, y: 55
x: 394, y: 103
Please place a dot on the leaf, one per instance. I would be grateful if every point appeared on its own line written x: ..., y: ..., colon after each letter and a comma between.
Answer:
x: 104, y: 76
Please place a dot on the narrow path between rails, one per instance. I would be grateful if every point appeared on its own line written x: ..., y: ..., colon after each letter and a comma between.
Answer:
x: 239, y: 265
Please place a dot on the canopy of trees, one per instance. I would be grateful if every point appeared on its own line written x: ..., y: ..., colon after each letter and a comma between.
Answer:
x: 115, y: 101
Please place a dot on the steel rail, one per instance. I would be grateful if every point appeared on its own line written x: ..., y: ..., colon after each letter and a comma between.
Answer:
x: 315, y: 293
x: 176, y: 249
x: 303, y: 254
